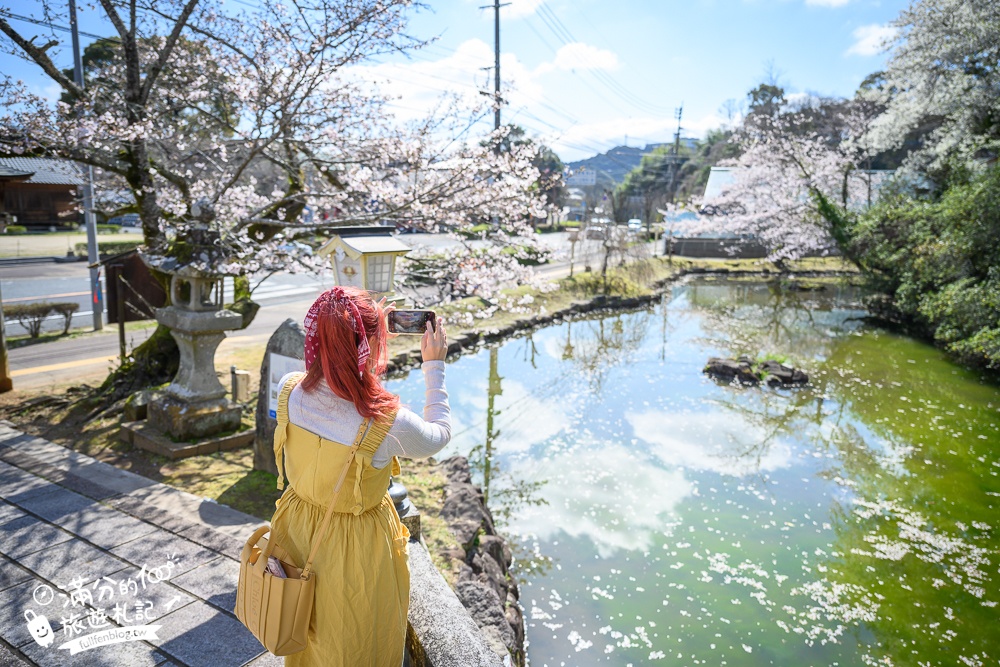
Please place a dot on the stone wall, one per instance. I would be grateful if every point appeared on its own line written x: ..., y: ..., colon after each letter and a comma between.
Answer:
x: 482, y: 562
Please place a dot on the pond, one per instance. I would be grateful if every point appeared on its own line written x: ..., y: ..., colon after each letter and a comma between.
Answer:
x: 663, y: 518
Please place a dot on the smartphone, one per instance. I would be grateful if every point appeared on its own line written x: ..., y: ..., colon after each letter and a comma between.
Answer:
x: 410, y: 321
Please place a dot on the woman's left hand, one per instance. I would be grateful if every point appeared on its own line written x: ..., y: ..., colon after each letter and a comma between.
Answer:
x: 387, y: 308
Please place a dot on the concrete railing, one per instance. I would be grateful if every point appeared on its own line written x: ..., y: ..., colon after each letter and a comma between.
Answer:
x: 442, y: 633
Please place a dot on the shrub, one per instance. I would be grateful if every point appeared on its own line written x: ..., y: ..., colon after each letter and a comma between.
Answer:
x: 108, y: 229
x: 66, y: 310
x: 16, y: 229
x: 938, y: 264
x: 108, y: 248
x: 29, y: 315
x: 475, y: 231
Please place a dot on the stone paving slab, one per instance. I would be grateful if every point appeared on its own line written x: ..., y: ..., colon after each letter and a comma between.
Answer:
x: 9, y: 659
x: 13, y: 602
x: 184, y: 554
x: 56, y: 503
x: 65, y: 516
x: 11, y: 574
x: 15, y: 484
x: 8, y: 512
x: 162, y: 597
x: 104, y: 526
x: 125, y: 654
x: 72, y: 560
x: 215, y: 582
x: 26, y: 535
x: 199, y: 635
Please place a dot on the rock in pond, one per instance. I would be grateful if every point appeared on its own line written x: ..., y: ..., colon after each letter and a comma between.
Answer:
x: 732, y: 370
x: 749, y: 372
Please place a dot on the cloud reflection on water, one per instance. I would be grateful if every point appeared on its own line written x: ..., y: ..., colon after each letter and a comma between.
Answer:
x: 611, y: 494
x: 722, y: 442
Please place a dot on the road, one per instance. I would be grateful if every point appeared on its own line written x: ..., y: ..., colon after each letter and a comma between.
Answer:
x: 91, y: 355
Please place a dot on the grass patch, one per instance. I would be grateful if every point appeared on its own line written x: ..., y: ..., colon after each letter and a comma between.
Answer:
x: 425, y: 486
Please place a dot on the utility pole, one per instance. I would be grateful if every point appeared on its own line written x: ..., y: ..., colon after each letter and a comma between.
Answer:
x: 675, y: 153
x: 96, y: 301
x: 496, y: 64
x: 6, y: 384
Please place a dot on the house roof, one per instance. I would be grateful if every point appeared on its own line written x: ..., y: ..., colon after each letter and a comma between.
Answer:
x: 718, y: 178
x: 10, y: 173
x: 48, y: 171
x: 356, y: 245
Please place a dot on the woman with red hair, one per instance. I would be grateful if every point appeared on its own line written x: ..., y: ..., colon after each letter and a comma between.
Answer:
x: 338, y: 427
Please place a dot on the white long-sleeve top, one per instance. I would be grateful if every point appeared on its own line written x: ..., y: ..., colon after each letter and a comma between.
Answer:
x: 324, y: 413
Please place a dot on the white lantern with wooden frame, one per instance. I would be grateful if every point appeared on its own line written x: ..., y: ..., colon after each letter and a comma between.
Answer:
x: 368, y: 262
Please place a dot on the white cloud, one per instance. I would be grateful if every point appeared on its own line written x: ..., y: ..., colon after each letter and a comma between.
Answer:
x: 522, y: 419
x: 580, y: 56
x: 419, y: 85
x: 870, y: 40
x: 827, y: 3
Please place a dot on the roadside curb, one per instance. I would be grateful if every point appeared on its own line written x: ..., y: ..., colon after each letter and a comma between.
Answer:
x: 18, y: 261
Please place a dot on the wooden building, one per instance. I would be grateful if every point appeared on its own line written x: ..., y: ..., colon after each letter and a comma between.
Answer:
x: 48, y: 198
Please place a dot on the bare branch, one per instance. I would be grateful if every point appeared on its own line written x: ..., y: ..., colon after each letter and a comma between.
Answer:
x: 38, y: 55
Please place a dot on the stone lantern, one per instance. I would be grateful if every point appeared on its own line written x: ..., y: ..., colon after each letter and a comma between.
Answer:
x: 194, y: 405
x: 365, y: 257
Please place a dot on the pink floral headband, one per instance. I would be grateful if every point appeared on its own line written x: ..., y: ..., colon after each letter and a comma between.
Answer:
x: 321, y: 306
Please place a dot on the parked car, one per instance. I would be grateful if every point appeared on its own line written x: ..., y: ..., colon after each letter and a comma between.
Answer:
x: 126, y: 220
x: 295, y: 247
x: 635, y: 225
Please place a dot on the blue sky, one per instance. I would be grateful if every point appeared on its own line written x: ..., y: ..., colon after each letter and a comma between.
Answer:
x: 585, y: 74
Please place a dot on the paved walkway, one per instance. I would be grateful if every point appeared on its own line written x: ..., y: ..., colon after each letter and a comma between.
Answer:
x: 92, y: 548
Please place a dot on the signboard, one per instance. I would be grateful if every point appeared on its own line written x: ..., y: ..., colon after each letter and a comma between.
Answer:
x: 278, y: 366
x: 582, y: 179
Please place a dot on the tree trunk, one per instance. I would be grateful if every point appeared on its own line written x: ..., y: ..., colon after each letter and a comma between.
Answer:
x: 153, y: 363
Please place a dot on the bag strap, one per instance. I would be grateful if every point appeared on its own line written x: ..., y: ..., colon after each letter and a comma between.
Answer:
x: 362, y: 431
x: 281, y: 430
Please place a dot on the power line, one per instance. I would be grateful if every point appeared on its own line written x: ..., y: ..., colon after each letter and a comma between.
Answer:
x: 566, y: 37
x: 54, y: 26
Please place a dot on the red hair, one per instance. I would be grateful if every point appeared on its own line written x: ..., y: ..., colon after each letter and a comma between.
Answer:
x: 337, y: 362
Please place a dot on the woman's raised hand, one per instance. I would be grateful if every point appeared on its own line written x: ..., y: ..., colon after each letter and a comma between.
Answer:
x: 434, y: 343
x: 386, y: 309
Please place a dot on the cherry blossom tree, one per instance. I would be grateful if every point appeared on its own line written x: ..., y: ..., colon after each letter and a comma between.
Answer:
x: 797, y: 180
x: 943, y: 75
x: 248, y: 123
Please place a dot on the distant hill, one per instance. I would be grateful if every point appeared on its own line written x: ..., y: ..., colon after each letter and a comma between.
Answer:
x: 612, y: 165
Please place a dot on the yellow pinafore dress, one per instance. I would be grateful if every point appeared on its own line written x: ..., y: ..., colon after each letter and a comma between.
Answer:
x: 361, y: 570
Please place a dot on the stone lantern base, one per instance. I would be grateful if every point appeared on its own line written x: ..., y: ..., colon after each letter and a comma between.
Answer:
x: 194, y: 405
x: 184, y: 419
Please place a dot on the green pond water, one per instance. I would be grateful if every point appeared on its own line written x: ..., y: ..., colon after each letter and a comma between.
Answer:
x: 662, y: 518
